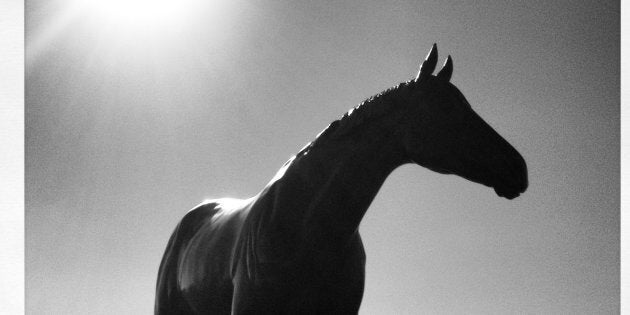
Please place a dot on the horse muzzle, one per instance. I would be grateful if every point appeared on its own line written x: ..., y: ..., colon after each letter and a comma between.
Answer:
x: 515, y: 183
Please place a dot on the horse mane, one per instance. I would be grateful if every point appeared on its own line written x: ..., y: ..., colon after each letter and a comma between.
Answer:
x: 374, y: 107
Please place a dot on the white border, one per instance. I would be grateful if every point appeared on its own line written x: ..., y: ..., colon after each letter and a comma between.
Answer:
x: 625, y: 155
x: 12, y: 157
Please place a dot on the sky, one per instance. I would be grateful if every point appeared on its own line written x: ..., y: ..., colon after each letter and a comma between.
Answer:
x: 132, y: 119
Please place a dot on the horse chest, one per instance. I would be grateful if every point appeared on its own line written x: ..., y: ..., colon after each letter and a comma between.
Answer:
x: 319, y: 282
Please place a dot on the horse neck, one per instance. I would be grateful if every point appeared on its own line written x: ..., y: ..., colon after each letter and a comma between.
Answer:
x: 341, y: 176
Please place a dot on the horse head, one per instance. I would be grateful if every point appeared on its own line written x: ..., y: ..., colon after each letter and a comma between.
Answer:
x: 442, y: 132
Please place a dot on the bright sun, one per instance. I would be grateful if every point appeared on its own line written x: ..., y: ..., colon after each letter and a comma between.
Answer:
x: 132, y: 15
x: 113, y: 35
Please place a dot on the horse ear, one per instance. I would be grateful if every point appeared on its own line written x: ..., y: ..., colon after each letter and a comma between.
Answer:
x: 447, y: 70
x: 427, y: 67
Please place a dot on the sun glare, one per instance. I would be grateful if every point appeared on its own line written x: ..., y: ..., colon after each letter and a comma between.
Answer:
x: 134, y: 15
x: 140, y: 28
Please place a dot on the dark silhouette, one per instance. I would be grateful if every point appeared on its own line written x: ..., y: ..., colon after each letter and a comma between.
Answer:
x: 295, y: 247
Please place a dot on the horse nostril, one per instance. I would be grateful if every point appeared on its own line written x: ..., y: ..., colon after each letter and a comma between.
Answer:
x: 517, y: 172
x: 524, y: 181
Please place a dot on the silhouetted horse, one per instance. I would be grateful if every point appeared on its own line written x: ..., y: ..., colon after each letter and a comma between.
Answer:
x: 295, y: 247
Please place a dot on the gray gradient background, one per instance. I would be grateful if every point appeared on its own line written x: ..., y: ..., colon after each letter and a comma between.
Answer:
x: 122, y: 140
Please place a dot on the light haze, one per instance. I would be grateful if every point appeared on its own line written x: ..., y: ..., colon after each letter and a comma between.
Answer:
x: 126, y: 131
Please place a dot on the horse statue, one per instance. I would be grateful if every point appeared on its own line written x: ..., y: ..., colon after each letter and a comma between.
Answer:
x: 295, y: 247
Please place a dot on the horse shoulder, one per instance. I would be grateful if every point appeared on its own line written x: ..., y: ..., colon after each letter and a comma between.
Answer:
x: 169, y: 299
x: 210, y: 231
